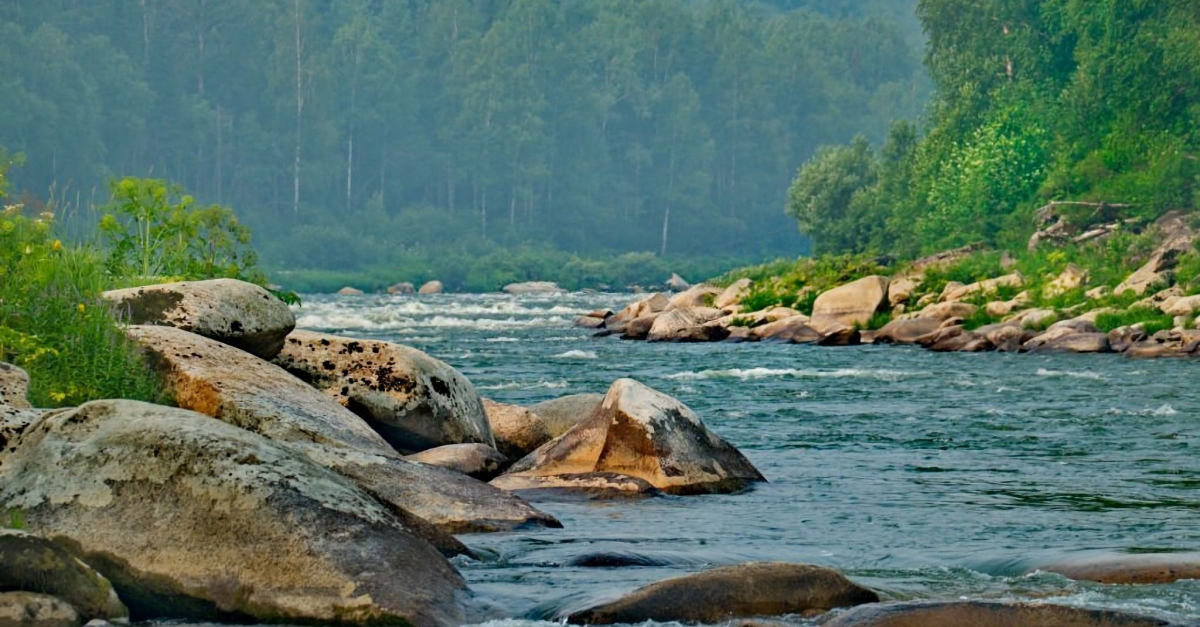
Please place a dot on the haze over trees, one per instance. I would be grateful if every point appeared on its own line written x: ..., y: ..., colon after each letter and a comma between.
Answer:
x: 372, y: 132
x: 1037, y: 100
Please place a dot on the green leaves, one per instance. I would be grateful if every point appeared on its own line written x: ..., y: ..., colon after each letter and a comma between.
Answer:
x: 153, y: 231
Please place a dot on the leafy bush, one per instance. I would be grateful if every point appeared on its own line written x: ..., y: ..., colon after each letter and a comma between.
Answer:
x: 1153, y: 319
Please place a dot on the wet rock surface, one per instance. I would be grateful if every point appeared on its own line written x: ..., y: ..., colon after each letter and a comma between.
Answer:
x: 985, y: 614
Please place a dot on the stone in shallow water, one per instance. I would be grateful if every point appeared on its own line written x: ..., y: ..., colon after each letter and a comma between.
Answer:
x: 755, y: 589
x: 1156, y: 568
x: 645, y: 434
x: 986, y: 614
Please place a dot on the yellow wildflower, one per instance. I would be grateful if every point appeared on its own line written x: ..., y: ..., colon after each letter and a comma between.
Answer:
x: 56, y: 246
x: 82, y: 308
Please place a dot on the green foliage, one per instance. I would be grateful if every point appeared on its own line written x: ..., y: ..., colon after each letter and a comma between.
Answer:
x: 152, y: 231
x: 12, y: 519
x: 54, y: 323
x: 1152, y: 319
x: 766, y: 295
x: 822, y: 199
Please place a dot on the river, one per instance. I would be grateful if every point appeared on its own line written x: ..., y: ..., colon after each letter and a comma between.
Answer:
x: 922, y: 475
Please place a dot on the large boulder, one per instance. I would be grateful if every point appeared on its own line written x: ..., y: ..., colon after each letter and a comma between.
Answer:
x: 232, y: 386
x: 638, y: 328
x: 958, y: 292
x: 852, y: 304
x: 33, y: 609
x: 14, y: 422
x: 677, y: 283
x: 431, y: 288
x: 1176, y: 235
x: 533, y: 287
x: 906, y: 330
x: 403, y: 288
x: 698, y: 296
x: 474, y: 460
x: 1072, y: 277
x: 793, y: 330
x: 349, y: 291
x: 558, y: 415
x: 517, y: 430
x: 1078, y: 343
x: 946, y: 311
x: 414, y: 401
x: 192, y: 518
x: 14, y: 387
x: 986, y: 614
x: 1151, y: 568
x: 733, y: 294
x: 646, y: 434
x: 34, y: 564
x: 234, y: 312
x: 688, y: 324
x: 648, y: 306
x: 717, y: 595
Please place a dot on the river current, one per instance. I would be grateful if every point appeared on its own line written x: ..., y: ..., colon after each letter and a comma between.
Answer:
x: 921, y: 475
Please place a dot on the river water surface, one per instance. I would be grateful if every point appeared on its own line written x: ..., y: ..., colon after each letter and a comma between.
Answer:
x: 919, y: 474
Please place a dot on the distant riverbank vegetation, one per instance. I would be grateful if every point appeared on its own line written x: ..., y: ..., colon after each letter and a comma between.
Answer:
x: 377, y: 138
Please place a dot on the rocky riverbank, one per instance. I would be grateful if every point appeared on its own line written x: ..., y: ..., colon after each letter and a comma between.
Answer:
x: 319, y: 479
x: 1149, y: 313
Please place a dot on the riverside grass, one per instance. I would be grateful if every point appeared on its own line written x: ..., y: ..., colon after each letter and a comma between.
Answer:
x: 55, y: 324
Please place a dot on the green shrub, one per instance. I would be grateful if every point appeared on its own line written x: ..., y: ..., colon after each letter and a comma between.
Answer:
x: 1153, y: 319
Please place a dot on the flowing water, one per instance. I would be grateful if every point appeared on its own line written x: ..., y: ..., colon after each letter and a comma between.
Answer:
x: 922, y: 475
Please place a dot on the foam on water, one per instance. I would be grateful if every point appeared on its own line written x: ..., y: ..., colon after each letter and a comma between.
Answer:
x: 1075, y: 374
x: 794, y: 373
x: 577, y: 354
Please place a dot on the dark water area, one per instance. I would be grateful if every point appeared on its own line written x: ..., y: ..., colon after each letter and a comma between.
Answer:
x: 922, y: 475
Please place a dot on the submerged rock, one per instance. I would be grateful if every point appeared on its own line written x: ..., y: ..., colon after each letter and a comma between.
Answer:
x: 34, y: 564
x: 1129, y: 569
x: 598, y: 484
x: 414, y: 401
x: 533, y: 287
x: 793, y: 330
x: 717, y: 595
x: 906, y: 330
x: 192, y: 518
x: 646, y: 434
x: 985, y: 614
x: 233, y: 312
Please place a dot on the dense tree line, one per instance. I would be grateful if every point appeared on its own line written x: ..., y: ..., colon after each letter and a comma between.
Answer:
x: 348, y: 132
x: 1037, y: 100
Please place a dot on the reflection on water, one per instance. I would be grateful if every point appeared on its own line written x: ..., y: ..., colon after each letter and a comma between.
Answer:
x: 921, y: 475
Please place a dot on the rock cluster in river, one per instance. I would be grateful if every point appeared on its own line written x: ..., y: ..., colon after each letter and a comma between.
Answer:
x: 936, y: 320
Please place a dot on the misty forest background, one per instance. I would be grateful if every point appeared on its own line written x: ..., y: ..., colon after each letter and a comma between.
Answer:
x: 485, y: 141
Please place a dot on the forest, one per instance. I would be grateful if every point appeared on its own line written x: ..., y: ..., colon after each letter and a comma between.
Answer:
x: 411, y: 138
x: 1035, y: 101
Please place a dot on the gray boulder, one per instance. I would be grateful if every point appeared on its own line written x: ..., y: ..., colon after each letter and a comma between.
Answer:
x: 687, y: 324
x: 195, y: 519
x: 414, y: 401
x: 32, y: 609
x: 234, y: 312
x: 646, y: 434
x: 33, y: 564
x: 560, y: 414
x: 717, y: 595
x: 234, y: 387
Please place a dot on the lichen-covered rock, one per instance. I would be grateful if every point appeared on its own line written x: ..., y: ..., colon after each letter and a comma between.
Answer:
x: 234, y: 312
x: 192, y: 518
x: 1143, y: 568
x: 986, y: 614
x: 717, y: 595
x: 14, y: 422
x: 688, y: 324
x: 32, y: 609
x: 851, y: 304
x: 474, y: 460
x: 34, y: 564
x: 646, y: 434
x: 414, y: 401
x: 233, y: 386
x: 14, y: 387
x: 560, y: 414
